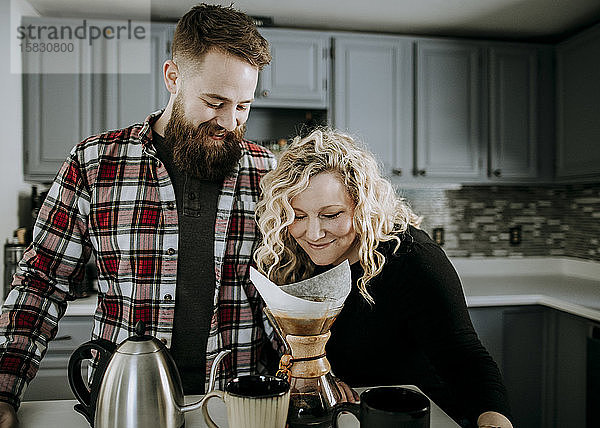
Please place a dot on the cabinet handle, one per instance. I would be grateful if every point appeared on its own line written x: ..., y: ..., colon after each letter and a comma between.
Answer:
x: 422, y: 172
x: 397, y: 171
x: 265, y: 93
x: 497, y: 173
x: 66, y: 337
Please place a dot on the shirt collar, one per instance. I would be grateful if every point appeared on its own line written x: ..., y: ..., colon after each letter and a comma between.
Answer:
x: 145, y: 132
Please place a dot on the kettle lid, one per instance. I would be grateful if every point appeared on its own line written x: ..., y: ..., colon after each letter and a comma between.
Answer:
x: 140, y: 343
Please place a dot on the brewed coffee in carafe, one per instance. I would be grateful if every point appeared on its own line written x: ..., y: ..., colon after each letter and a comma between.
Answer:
x: 302, y: 314
x: 313, y: 390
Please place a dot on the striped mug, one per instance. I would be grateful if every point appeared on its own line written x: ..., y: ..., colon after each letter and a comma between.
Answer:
x: 252, y: 401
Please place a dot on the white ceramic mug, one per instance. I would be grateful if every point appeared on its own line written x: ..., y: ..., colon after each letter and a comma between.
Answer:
x: 252, y: 401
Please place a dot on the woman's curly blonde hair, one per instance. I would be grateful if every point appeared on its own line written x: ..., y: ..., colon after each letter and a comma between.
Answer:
x: 379, y: 215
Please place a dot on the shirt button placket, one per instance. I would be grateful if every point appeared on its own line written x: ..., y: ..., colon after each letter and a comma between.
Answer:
x: 168, y: 297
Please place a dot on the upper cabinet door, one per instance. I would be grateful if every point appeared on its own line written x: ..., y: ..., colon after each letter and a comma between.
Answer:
x: 448, y: 110
x: 60, y: 110
x: 578, y: 96
x: 513, y: 112
x: 297, y: 75
x: 131, y: 97
x: 57, y: 114
x: 57, y: 108
x: 373, y: 96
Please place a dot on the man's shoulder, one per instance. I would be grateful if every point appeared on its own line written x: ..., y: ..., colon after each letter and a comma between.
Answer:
x: 107, y: 149
x: 257, y: 157
x: 116, y: 137
x: 256, y: 150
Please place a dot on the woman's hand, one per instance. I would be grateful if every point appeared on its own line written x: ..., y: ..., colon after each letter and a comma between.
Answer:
x: 8, y: 416
x: 493, y: 420
x: 348, y: 394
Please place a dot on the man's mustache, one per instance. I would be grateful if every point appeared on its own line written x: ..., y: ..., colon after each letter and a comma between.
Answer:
x: 213, y: 128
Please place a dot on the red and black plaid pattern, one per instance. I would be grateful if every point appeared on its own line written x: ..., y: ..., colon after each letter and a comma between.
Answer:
x: 113, y: 198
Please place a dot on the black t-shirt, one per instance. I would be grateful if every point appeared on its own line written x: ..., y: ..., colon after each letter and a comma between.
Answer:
x: 418, y: 332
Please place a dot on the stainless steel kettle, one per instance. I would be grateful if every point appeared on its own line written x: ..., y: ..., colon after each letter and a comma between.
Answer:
x: 135, y: 385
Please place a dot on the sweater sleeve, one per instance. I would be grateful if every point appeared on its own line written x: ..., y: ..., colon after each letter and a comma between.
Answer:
x: 444, y: 330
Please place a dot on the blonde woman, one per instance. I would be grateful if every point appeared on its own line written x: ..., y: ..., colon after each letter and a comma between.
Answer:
x: 405, y: 320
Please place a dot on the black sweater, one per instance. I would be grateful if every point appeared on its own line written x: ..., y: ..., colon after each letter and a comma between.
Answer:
x: 418, y: 332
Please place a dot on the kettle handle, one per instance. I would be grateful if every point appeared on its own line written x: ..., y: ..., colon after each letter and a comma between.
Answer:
x: 87, y: 397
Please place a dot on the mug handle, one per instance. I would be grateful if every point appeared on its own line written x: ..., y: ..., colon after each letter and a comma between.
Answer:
x: 204, y: 406
x: 344, y: 407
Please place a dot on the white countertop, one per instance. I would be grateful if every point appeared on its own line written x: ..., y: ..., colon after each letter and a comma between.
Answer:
x: 571, y: 285
x: 84, y: 306
x: 60, y: 414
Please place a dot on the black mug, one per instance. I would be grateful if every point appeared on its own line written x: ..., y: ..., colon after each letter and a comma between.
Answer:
x: 388, y: 407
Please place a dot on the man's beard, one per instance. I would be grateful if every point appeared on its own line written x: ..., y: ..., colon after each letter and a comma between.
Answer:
x: 195, y: 152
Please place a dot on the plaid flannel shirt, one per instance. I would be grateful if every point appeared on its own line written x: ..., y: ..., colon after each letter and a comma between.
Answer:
x: 113, y: 197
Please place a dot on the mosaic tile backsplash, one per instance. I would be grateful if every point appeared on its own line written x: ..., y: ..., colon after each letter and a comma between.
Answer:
x: 555, y: 220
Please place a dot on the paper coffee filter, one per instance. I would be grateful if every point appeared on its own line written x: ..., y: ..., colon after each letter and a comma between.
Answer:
x: 332, y: 287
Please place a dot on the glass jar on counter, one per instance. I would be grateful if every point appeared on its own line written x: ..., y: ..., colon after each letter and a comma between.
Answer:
x: 13, y: 253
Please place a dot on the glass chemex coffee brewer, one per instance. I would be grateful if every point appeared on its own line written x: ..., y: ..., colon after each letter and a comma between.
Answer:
x: 302, y: 315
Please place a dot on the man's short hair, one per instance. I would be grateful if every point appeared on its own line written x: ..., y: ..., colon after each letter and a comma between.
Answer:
x: 207, y: 27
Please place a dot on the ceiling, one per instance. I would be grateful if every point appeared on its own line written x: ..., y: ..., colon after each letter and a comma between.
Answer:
x: 536, y: 20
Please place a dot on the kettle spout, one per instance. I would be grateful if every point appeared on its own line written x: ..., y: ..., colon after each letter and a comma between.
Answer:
x: 215, y: 367
x: 211, y: 382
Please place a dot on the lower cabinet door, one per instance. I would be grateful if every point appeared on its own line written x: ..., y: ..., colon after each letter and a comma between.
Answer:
x: 51, y: 381
x: 49, y: 384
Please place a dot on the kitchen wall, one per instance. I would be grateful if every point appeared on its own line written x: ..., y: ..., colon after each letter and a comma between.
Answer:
x: 11, y: 155
x: 561, y: 220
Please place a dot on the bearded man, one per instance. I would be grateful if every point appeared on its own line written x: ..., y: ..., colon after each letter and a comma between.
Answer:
x: 167, y: 209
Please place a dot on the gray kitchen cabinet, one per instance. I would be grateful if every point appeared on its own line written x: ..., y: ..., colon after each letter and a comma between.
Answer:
x: 372, y: 96
x: 131, y: 97
x: 297, y: 75
x: 60, y: 110
x: 431, y: 110
x: 521, y: 112
x: 569, y: 400
x: 513, y: 112
x: 578, y: 104
x: 516, y: 337
x: 541, y: 353
x: 51, y: 381
x: 488, y: 323
x: 57, y: 107
x: 483, y: 111
x: 448, y: 110
x: 526, y: 350
x: 472, y: 112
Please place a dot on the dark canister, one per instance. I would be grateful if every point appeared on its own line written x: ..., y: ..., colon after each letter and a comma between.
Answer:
x: 13, y: 253
x: 388, y: 407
